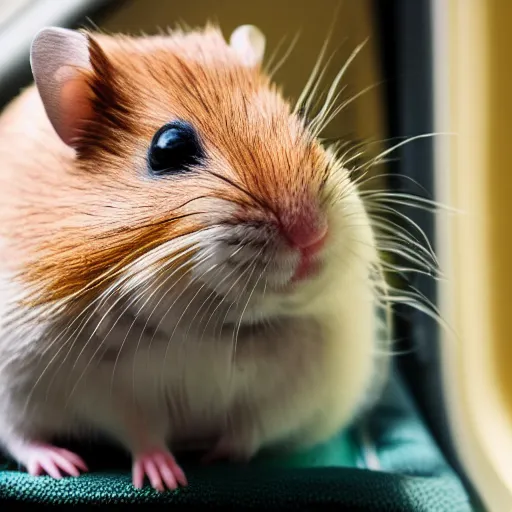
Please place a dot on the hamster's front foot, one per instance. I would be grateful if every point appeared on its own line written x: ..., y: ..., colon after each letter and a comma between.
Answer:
x: 160, y: 467
x: 43, y: 458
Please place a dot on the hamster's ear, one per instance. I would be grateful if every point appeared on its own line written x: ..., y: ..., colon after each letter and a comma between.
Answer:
x: 249, y: 43
x: 60, y: 62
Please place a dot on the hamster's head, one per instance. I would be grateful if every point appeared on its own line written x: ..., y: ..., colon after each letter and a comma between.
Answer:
x: 197, y: 162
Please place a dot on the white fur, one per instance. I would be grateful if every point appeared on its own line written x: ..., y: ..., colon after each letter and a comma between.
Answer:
x: 297, y: 382
x: 275, y: 368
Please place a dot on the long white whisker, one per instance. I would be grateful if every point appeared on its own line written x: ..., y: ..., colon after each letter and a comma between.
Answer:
x: 225, y: 278
x: 284, y: 58
x: 157, y: 327
x: 334, y: 86
x: 141, y: 308
x: 403, y: 143
x: 387, y: 229
x: 313, y: 97
x: 185, y: 309
x: 212, y: 293
x: 415, y: 300
x: 104, y: 297
x: 394, y: 196
x: 111, y: 308
x: 227, y: 294
x: 314, y: 72
x: 167, y: 263
x: 268, y: 64
x: 237, y: 331
x: 332, y: 113
x: 398, y: 229
x: 114, y: 287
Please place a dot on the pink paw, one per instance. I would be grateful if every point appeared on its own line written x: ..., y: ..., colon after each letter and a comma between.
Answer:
x: 161, y: 469
x: 45, y: 458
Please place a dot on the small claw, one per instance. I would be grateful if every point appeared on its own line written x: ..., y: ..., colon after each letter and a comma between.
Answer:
x: 161, y: 469
x: 65, y: 465
x: 34, y: 468
x: 45, y: 458
x: 51, y: 468
x: 74, y: 459
x: 138, y: 475
x: 153, y: 473
x: 180, y: 476
x: 166, y: 473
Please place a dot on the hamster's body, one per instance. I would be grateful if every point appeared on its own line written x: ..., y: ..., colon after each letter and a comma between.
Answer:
x: 98, y: 333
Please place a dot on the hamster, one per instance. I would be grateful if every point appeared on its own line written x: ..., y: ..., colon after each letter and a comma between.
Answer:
x: 182, y: 263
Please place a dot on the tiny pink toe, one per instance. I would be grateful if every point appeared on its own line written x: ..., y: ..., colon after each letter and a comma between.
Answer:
x: 166, y: 468
x: 154, y: 475
x: 74, y: 459
x: 34, y: 468
x: 65, y: 465
x: 137, y: 475
x: 161, y: 470
x: 45, y: 458
x: 50, y: 468
x: 169, y: 479
x: 173, y: 466
x: 179, y: 475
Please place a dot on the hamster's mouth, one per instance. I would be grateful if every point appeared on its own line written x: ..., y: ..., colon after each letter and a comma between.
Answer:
x: 306, y: 269
x: 305, y: 272
x: 234, y: 268
x: 286, y: 279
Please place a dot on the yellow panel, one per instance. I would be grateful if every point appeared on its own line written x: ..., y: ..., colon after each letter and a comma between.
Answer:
x: 500, y: 188
x: 476, y: 250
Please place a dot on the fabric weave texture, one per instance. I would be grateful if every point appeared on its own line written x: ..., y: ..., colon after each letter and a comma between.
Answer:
x: 388, y: 462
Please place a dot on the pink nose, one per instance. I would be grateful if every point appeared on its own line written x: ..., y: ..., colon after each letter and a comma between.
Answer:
x: 307, y: 235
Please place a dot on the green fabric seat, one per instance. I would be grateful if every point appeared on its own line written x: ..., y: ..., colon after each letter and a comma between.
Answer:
x: 389, y: 462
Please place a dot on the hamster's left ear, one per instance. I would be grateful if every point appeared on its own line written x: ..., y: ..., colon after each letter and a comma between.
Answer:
x: 249, y: 43
x: 57, y: 57
x: 76, y: 83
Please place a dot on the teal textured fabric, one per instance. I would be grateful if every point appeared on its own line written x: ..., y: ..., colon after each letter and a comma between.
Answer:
x: 388, y: 462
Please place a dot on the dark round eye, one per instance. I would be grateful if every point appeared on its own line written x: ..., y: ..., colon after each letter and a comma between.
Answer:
x: 174, y: 148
